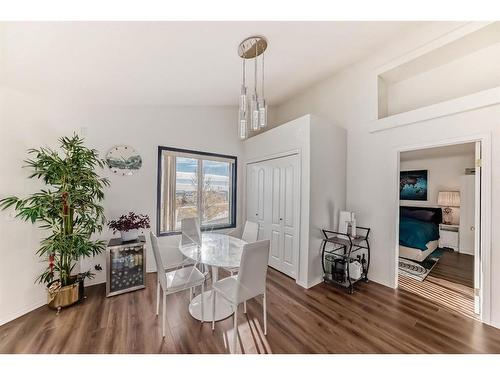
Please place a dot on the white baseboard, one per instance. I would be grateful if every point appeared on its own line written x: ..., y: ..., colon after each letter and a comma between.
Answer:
x: 301, y: 283
x: 493, y: 323
x: 92, y: 282
x: 314, y: 282
x: 466, y: 252
x: 382, y: 282
x: 23, y: 311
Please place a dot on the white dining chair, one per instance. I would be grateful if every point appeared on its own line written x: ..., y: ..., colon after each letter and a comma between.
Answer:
x: 191, y: 233
x: 190, y: 230
x: 249, y: 283
x: 170, y: 282
x: 250, y: 234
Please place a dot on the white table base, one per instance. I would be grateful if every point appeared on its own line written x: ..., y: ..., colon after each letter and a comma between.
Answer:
x: 223, y: 308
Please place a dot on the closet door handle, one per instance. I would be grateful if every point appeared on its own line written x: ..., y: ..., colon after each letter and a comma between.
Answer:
x: 281, y: 219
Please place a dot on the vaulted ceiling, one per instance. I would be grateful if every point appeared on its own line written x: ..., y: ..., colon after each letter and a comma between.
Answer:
x: 179, y: 63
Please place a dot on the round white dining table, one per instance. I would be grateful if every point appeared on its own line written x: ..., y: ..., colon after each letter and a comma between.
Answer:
x: 216, y: 250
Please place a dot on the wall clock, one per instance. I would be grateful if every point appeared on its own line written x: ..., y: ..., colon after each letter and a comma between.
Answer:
x: 123, y: 160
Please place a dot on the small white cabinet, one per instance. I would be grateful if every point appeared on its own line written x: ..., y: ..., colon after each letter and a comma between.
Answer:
x: 449, y: 236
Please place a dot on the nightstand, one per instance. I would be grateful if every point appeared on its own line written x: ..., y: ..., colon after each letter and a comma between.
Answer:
x: 449, y: 235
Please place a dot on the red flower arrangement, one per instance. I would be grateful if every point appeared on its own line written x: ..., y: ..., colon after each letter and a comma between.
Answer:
x: 129, y: 222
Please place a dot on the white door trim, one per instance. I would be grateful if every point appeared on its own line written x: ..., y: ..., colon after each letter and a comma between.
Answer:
x: 477, y: 235
x: 485, y: 139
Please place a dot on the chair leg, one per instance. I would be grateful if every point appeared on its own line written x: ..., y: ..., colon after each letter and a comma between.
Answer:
x: 245, y: 307
x: 235, y: 331
x: 190, y: 294
x: 264, y: 307
x: 164, y: 314
x: 202, y: 310
x: 157, y: 298
x: 213, y: 309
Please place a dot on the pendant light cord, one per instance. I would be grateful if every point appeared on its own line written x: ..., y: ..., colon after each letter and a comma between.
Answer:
x: 255, y: 70
x: 263, y: 53
x: 243, y: 71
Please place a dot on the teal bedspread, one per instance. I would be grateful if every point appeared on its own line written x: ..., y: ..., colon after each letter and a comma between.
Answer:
x: 415, y: 233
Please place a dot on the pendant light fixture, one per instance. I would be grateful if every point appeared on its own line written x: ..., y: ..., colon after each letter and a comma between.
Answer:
x: 262, y: 102
x: 256, y: 115
x: 242, y: 116
x: 255, y: 104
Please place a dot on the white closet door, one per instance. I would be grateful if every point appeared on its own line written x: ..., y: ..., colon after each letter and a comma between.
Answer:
x: 273, y: 201
x: 289, y: 215
x: 275, y: 252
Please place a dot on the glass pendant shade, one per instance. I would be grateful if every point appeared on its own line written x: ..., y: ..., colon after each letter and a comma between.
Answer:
x: 243, y: 128
x: 254, y: 114
x: 243, y: 99
x: 262, y: 113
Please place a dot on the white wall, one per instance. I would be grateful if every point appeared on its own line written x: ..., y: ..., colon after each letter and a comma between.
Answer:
x: 292, y: 136
x: 28, y: 120
x: 443, y: 174
x: 328, y: 187
x: 323, y: 188
x: 349, y: 99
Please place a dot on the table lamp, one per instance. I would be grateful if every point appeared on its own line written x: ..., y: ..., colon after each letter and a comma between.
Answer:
x: 448, y: 199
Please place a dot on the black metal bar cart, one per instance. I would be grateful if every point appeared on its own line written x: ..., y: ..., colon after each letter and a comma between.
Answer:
x: 345, y: 250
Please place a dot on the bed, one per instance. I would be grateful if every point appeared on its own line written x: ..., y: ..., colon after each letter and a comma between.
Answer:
x: 418, y: 231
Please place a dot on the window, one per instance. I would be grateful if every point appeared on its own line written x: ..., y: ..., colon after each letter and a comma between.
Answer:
x: 195, y: 184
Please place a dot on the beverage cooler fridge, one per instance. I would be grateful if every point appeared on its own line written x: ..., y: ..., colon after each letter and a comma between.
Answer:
x: 125, y: 266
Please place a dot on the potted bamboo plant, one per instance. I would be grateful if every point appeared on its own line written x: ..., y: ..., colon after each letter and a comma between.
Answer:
x: 69, y: 209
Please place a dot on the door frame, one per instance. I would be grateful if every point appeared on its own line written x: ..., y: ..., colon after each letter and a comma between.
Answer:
x: 485, y: 215
x: 279, y: 155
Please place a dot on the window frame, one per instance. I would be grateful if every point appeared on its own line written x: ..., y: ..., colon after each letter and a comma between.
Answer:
x: 233, y: 201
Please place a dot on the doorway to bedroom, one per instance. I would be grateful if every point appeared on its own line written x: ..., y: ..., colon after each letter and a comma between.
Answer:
x: 439, y: 225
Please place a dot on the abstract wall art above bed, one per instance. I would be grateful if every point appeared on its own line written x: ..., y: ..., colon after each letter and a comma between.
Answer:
x: 413, y: 185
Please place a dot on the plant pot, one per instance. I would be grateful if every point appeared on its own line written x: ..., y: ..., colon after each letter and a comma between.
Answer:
x: 129, y: 235
x: 63, y: 296
x: 81, y: 287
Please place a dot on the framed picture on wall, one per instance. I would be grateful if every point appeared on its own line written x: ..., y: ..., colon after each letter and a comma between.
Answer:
x: 413, y: 185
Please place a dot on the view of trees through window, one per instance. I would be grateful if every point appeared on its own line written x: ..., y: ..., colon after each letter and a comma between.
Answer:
x: 186, y: 189
x: 203, y: 189
x: 215, y: 193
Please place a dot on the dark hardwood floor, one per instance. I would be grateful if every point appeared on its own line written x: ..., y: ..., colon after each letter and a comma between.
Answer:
x: 456, y: 268
x: 323, y: 319
x: 449, y: 284
x: 456, y: 297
